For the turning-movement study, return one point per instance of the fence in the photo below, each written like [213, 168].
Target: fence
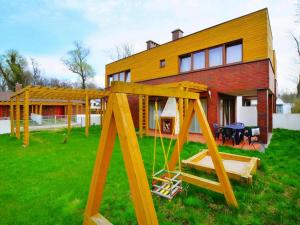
[286, 121]
[38, 122]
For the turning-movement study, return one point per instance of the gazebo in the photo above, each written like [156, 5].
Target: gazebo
[70, 95]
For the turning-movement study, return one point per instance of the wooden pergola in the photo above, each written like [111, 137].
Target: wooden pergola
[24, 96]
[187, 86]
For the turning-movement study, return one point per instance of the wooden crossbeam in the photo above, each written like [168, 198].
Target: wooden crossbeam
[141, 89]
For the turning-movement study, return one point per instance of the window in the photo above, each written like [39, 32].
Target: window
[279, 108]
[128, 78]
[215, 56]
[122, 76]
[110, 79]
[116, 77]
[199, 60]
[162, 63]
[234, 53]
[185, 63]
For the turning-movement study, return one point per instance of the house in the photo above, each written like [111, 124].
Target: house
[234, 58]
[282, 107]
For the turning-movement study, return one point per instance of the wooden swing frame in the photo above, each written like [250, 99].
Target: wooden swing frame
[118, 110]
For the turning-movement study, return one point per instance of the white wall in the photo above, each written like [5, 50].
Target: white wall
[36, 118]
[95, 119]
[245, 114]
[4, 126]
[286, 121]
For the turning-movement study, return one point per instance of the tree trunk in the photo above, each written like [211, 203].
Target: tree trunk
[298, 87]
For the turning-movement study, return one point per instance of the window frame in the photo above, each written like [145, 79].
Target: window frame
[185, 56]
[233, 43]
[162, 63]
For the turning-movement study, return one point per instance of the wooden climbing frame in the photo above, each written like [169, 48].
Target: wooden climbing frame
[118, 110]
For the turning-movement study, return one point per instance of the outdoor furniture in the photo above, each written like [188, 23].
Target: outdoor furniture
[252, 133]
[227, 134]
[216, 130]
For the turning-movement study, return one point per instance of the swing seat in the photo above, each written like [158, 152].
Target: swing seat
[166, 184]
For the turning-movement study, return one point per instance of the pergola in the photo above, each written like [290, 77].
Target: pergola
[187, 86]
[70, 95]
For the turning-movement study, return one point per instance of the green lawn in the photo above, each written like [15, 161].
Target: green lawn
[48, 183]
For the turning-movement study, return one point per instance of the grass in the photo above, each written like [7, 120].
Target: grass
[48, 183]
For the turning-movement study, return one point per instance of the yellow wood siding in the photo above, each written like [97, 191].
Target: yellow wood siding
[253, 29]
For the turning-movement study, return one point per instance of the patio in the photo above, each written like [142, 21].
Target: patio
[199, 138]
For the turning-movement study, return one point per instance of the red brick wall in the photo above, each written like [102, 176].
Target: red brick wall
[263, 114]
[228, 79]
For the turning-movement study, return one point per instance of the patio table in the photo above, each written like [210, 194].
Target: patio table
[237, 128]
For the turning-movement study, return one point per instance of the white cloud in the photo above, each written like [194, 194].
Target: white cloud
[135, 22]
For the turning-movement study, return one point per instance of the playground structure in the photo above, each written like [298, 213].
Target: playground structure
[23, 97]
[240, 168]
[118, 120]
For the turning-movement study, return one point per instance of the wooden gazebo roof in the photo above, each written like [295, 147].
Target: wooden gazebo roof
[38, 92]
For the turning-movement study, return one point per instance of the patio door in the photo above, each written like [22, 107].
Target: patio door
[227, 110]
[195, 128]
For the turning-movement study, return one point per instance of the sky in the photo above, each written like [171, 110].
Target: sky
[46, 30]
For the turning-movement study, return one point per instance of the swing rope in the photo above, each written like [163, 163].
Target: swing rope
[166, 155]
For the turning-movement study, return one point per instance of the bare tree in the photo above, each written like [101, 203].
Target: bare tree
[37, 78]
[77, 63]
[297, 42]
[121, 51]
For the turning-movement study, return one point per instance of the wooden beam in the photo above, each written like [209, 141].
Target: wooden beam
[87, 115]
[147, 114]
[151, 90]
[69, 116]
[18, 123]
[180, 105]
[26, 119]
[202, 182]
[214, 153]
[41, 110]
[12, 120]
[141, 132]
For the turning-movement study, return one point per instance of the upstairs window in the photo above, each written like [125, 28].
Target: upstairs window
[199, 60]
[122, 76]
[234, 53]
[162, 63]
[110, 79]
[116, 77]
[128, 78]
[185, 63]
[216, 56]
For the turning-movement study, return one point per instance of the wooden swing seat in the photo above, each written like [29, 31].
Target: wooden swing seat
[166, 184]
[240, 168]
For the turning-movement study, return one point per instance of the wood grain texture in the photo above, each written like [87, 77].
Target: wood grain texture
[254, 29]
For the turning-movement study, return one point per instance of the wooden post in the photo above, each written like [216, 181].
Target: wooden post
[26, 119]
[214, 153]
[87, 113]
[18, 117]
[69, 116]
[141, 116]
[180, 112]
[12, 120]
[77, 108]
[41, 110]
[147, 114]
[118, 120]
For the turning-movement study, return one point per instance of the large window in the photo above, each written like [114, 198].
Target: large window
[128, 78]
[122, 76]
[215, 56]
[234, 53]
[185, 63]
[199, 60]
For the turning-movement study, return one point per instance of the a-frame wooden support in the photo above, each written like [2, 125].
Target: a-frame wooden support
[118, 110]
[223, 186]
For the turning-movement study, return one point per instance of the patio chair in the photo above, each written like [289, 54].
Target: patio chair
[228, 134]
[252, 134]
[216, 130]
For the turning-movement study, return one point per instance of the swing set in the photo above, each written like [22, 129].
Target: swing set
[166, 182]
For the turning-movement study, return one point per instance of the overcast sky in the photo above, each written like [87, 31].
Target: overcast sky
[46, 30]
